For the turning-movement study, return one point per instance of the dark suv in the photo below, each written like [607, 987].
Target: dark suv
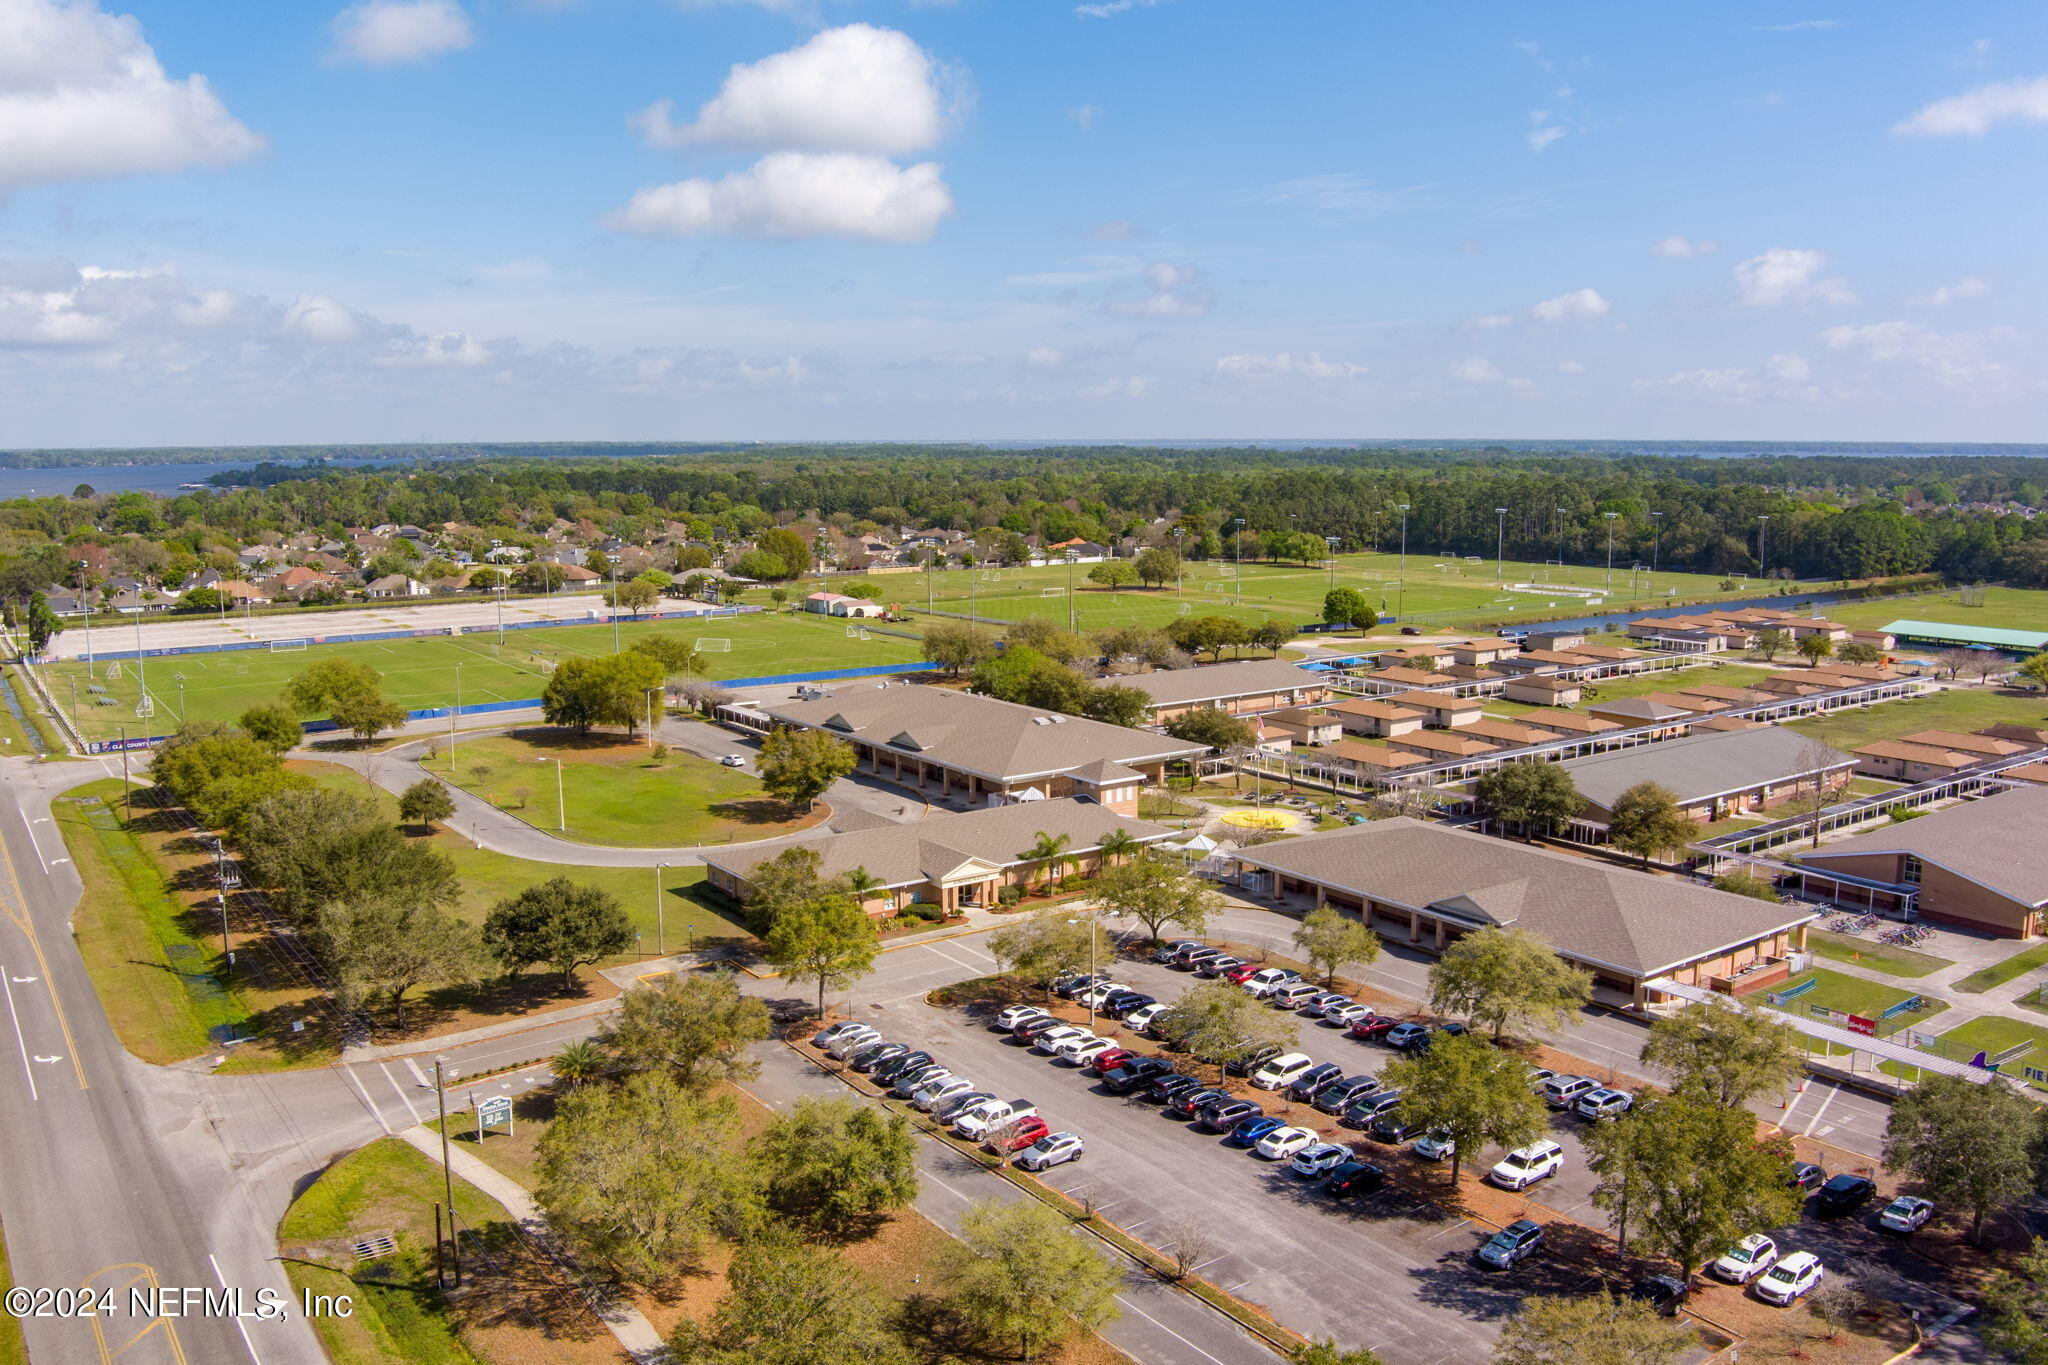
[1338, 1096]
[1253, 1060]
[1845, 1193]
[1137, 1071]
[1310, 1083]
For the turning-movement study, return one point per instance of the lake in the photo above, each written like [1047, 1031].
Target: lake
[145, 478]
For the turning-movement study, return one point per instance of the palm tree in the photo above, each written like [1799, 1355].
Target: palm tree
[861, 884]
[1049, 851]
[580, 1062]
[1117, 845]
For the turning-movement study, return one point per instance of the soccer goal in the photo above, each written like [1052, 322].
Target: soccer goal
[1052, 592]
[145, 708]
[856, 633]
[1969, 595]
[114, 671]
[1474, 559]
[288, 646]
[716, 644]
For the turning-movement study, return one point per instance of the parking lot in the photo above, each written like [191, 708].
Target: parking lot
[1391, 1270]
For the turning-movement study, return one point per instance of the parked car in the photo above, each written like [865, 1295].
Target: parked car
[1017, 1135]
[1054, 1149]
[1171, 952]
[1807, 1177]
[1282, 1143]
[1538, 1075]
[1790, 1278]
[1401, 1037]
[1218, 965]
[1354, 1178]
[1605, 1105]
[950, 1108]
[1907, 1213]
[732, 761]
[1188, 1103]
[1018, 1014]
[930, 1094]
[1345, 1016]
[1171, 1086]
[1194, 958]
[874, 1054]
[832, 1032]
[1220, 1116]
[1846, 1193]
[1562, 1092]
[1253, 1060]
[1097, 995]
[1665, 1294]
[1516, 1242]
[1434, 1145]
[886, 1073]
[1746, 1260]
[1107, 1060]
[1525, 1166]
[1340, 1095]
[1048, 1041]
[1031, 1028]
[1320, 1159]
[1266, 980]
[1141, 1018]
[1081, 1053]
[984, 1119]
[1134, 1072]
[1292, 996]
[1323, 1001]
[1282, 1071]
[1249, 1131]
[1395, 1127]
[1123, 1002]
[852, 1041]
[1074, 987]
[1310, 1083]
[1367, 1111]
[1373, 1026]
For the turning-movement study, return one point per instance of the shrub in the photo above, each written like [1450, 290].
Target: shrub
[1010, 895]
[926, 910]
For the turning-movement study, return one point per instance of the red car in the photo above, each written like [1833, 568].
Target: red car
[1019, 1136]
[1377, 1026]
[1238, 975]
[1102, 1063]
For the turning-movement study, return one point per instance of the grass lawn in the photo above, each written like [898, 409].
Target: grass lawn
[2003, 609]
[1715, 829]
[1881, 957]
[614, 792]
[1854, 995]
[1998, 973]
[12, 1349]
[421, 673]
[1993, 1034]
[1673, 680]
[1963, 709]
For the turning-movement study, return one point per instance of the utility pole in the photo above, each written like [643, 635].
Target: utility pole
[1610, 550]
[660, 929]
[451, 720]
[1500, 543]
[1070, 589]
[1656, 543]
[447, 1171]
[1762, 559]
[1237, 587]
[615, 606]
[1333, 542]
[1560, 537]
[1401, 605]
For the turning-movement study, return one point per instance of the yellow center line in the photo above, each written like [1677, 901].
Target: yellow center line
[35, 944]
[142, 1272]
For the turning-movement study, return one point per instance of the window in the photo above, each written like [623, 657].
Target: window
[1909, 872]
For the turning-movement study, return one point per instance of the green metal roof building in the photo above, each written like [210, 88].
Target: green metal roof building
[1943, 633]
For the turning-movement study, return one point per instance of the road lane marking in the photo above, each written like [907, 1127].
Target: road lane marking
[399, 1091]
[35, 945]
[368, 1103]
[958, 962]
[142, 1272]
[32, 838]
[20, 1039]
[240, 1326]
[1825, 1102]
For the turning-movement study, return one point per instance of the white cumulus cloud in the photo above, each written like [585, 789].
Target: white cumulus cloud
[1678, 248]
[1955, 359]
[1976, 112]
[1579, 304]
[1788, 275]
[1285, 365]
[1128, 386]
[392, 32]
[1969, 287]
[1476, 370]
[1177, 292]
[1044, 357]
[83, 97]
[798, 194]
[1781, 379]
[857, 89]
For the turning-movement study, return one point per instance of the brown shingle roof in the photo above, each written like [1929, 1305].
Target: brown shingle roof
[1219, 682]
[1995, 842]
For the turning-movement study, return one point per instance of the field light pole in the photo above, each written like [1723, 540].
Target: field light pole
[1656, 543]
[561, 802]
[1070, 589]
[142, 667]
[615, 606]
[1237, 586]
[1610, 550]
[1090, 922]
[1401, 604]
[85, 603]
[1560, 537]
[1500, 548]
[660, 932]
[1763, 527]
[1333, 542]
[1179, 532]
[451, 720]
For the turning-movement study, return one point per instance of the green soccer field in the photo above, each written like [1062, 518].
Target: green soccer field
[421, 672]
[1436, 590]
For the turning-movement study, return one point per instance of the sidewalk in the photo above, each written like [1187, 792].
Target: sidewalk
[635, 1333]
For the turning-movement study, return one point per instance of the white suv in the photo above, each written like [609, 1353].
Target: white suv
[1525, 1166]
[1264, 982]
[1282, 1070]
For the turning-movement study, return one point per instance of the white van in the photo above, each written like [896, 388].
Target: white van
[1282, 1070]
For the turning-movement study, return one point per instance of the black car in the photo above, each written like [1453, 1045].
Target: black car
[1071, 990]
[1189, 1103]
[1394, 1127]
[1664, 1293]
[1367, 1111]
[1338, 1096]
[1031, 1028]
[1411, 630]
[1310, 1083]
[1845, 1193]
[1806, 1177]
[1220, 1116]
[1122, 1080]
[874, 1054]
[1354, 1178]
[1171, 1086]
[1123, 1002]
[886, 1072]
[1253, 1060]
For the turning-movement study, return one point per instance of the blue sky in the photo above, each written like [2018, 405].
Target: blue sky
[477, 219]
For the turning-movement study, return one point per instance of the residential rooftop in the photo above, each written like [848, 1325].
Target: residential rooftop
[1702, 766]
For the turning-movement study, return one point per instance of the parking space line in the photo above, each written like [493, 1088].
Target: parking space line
[956, 961]
[1827, 1100]
[1458, 1226]
[1164, 1328]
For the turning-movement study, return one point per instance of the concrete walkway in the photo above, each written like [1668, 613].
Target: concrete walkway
[635, 1333]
